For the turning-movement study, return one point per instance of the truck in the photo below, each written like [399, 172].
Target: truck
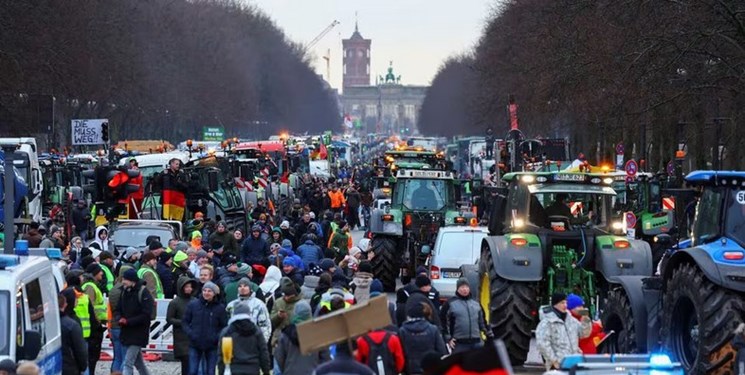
[404, 230]
[26, 161]
[538, 246]
[691, 307]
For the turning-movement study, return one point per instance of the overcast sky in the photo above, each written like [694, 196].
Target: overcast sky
[417, 35]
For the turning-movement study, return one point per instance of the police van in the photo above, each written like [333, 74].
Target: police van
[30, 317]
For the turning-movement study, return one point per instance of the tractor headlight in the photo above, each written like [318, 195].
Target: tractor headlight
[518, 223]
[617, 225]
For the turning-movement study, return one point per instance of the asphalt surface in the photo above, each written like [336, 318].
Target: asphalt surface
[164, 367]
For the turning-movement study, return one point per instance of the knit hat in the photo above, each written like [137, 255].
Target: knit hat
[84, 252]
[201, 254]
[196, 234]
[256, 228]
[288, 261]
[244, 269]
[93, 269]
[327, 264]
[557, 297]
[129, 253]
[314, 270]
[180, 257]
[244, 281]
[53, 229]
[312, 215]
[261, 270]
[8, 366]
[574, 301]
[422, 280]
[462, 281]
[155, 245]
[415, 310]
[217, 245]
[277, 229]
[422, 270]
[131, 275]
[211, 286]
[181, 246]
[376, 288]
[354, 250]
[242, 309]
[365, 266]
[285, 225]
[287, 286]
[287, 243]
[302, 312]
[229, 260]
[105, 255]
[147, 257]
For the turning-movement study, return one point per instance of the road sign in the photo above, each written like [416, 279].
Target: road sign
[631, 167]
[668, 203]
[213, 134]
[89, 131]
[670, 168]
[619, 148]
[630, 220]
[629, 179]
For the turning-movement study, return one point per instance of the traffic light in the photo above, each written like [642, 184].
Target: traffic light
[105, 131]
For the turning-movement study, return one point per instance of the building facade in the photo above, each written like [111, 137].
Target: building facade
[356, 60]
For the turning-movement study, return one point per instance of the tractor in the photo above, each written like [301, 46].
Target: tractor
[404, 230]
[692, 306]
[539, 245]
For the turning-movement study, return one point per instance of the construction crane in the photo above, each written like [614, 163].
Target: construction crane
[322, 34]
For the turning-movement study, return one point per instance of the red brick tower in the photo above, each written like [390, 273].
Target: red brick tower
[356, 68]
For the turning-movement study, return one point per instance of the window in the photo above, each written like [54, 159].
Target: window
[20, 317]
[368, 69]
[36, 308]
[708, 213]
[5, 323]
[360, 53]
[368, 53]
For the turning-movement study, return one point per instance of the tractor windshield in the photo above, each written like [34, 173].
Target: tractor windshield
[424, 194]
[580, 208]
[707, 224]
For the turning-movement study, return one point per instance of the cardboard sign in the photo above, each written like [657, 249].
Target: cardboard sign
[87, 132]
[343, 324]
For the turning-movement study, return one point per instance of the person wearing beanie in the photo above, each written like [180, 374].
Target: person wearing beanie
[291, 270]
[360, 285]
[74, 352]
[108, 265]
[257, 311]
[133, 314]
[419, 290]
[558, 333]
[341, 241]
[179, 269]
[463, 320]
[287, 353]
[418, 336]
[283, 309]
[92, 278]
[156, 248]
[204, 319]
[576, 307]
[255, 250]
[164, 267]
[288, 233]
[225, 237]
[185, 289]
[328, 266]
[250, 354]
[149, 275]
[324, 284]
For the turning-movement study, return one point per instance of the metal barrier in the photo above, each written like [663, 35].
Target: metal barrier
[161, 333]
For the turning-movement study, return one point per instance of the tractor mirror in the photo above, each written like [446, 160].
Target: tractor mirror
[212, 180]
[496, 216]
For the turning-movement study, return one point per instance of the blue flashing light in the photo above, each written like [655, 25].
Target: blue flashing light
[54, 253]
[711, 177]
[660, 359]
[9, 261]
[21, 247]
[571, 361]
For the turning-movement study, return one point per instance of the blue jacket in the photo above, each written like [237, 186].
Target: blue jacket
[310, 253]
[203, 321]
[254, 250]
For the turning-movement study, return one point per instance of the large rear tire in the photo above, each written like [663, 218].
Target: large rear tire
[385, 267]
[617, 316]
[698, 322]
[510, 309]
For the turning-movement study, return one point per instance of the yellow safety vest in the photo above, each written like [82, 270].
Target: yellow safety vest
[99, 305]
[109, 278]
[158, 286]
[81, 310]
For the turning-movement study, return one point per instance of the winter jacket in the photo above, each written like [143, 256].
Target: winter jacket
[341, 241]
[50, 242]
[402, 296]
[463, 319]
[420, 297]
[278, 324]
[296, 276]
[361, 286]
[74, 350]
[343, 364]
[250, 353]
[33, 237]
[175, 314]
[337, 199]
[353, 198]
[288, 356]
[151, 279]
[104, 245]
[589, 344]
[557, 338]
[203, 322]
[166, 280]
[80, 218]
[309, 252]
[259, 314]
[255, 251]
[230, 245]
[419, 337]
[394, 346]
[137, 313]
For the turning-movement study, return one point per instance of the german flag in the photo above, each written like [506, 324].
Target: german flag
[173, 205]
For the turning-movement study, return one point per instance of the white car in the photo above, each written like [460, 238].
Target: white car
[454, 247]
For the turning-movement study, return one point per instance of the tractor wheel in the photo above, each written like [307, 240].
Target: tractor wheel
[385, 266]
[698, 322]
[510, 309]
[617, 316]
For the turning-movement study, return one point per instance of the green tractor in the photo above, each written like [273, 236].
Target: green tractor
[404, 230]
[550, 232]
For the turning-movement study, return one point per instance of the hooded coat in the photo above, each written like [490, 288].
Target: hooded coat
[176, 311]
[557, 338]
[310, 253]
[250, 352]
[288, 356]
[419, 337]
[103, 244]
[137, 313]
[259, 314]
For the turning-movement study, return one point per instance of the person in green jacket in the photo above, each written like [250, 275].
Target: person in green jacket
[341, 241]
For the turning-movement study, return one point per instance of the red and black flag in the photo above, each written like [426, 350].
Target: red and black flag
[491, 359]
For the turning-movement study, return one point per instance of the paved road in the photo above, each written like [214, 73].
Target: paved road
[173, 368]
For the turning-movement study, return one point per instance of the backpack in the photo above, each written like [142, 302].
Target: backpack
[154, 311]
[380, 359]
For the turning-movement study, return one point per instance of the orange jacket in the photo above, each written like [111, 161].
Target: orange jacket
[589, 345]
[337, 199]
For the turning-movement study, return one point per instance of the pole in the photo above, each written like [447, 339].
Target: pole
[717, 156]
[8, 206]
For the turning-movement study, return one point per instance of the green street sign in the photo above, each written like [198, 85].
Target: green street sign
[214, 134]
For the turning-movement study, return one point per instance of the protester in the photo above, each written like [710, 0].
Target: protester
[250, 354]
[287, 353]
[463, 320]
[381, 351]
[283, 309]
[576, 306]
[419, 336]
[203, 320]
[74, 351]
[257, 310]
[361, 283]
[558, 334]
[133, 314]
[175, 314]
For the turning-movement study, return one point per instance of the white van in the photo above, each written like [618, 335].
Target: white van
[30, 323]
[26, 162]
[454, 246]
[152, 164]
